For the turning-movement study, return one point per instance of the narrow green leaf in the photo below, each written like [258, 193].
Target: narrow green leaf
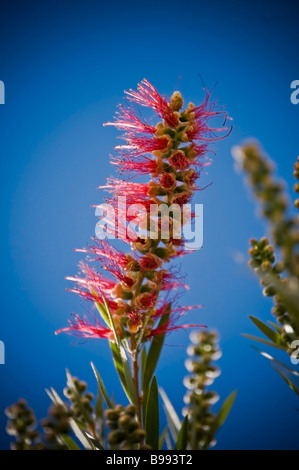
[95, 442]
[155, 350]
[80, 435]
[154, 354]
[50, 395]
[101, 385]
[182, 441]
[168, 441]
[225, 409]
[128, 375]
[55, 397]
[146, 319]
[99, 406]
[280, 364]
[143, 364]
[162, 437]
[111, 321]
[99, 413]
[152, 416]
[288, 381]
[277, 327]
[263, 341]
[130, 389]
[173, 421]
[113, 400]
[68, 441]
[102, 311]
[264, 328]
[119, 365]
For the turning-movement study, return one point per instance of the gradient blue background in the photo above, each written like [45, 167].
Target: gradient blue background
[65, 65]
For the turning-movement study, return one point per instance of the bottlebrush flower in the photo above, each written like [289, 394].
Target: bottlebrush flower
[104, 252]
[127, 120]
[178, 160]
[148, 96]
[84, 328]
[121, 188]
[140, 145]
[142, 166]
[139, 285]
[150, 262]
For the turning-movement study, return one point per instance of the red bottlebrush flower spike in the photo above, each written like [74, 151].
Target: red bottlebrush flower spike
[148, 96]
[138, 287]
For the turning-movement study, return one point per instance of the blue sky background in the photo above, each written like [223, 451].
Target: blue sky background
[65, 65]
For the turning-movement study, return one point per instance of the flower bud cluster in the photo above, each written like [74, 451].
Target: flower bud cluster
[125, 432]
[198, 399]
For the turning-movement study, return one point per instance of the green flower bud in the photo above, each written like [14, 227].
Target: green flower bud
[278, 309]
[145, 447]
[137, 436]
[112, 415]
[266, 265]
[264, 242]
[176, 101]
[124, 421]
[279, 267]
[131, 410]
[89, 396]
[252, 263]
[116, 437]
[82, 386]
[269, 291]
[133, 426]
[63, 426]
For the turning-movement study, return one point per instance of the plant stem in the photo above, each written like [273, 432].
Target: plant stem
[136, 377]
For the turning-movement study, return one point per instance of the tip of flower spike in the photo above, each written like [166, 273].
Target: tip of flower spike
[162, 141]
[238, 153]
[176, 101]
